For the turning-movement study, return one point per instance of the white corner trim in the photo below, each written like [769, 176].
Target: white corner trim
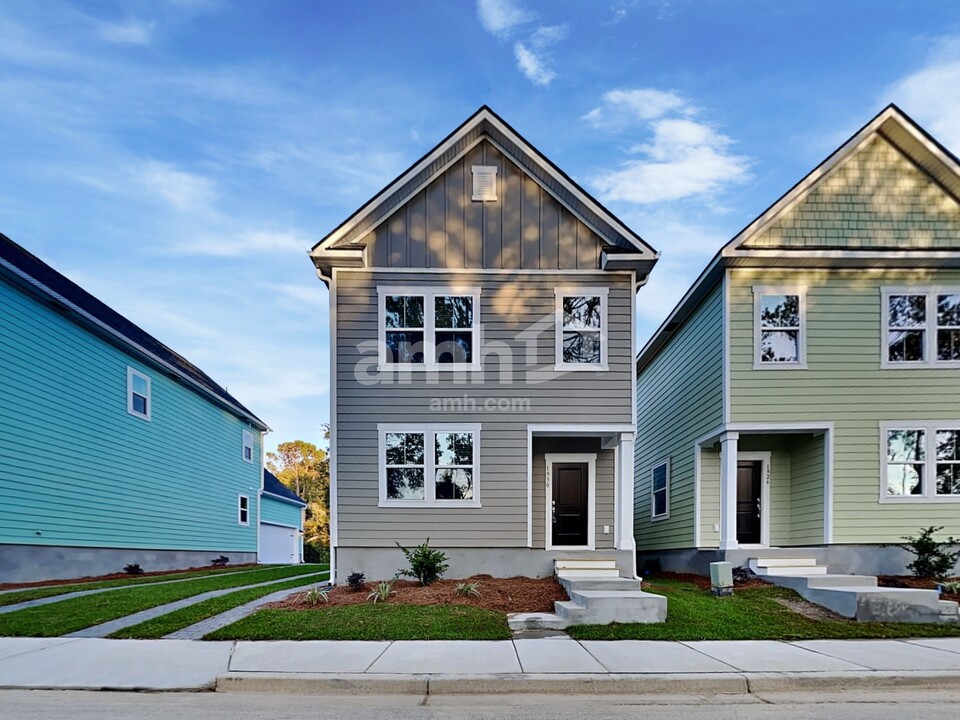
[697, 465]
[529, 487]
[760, 291]
[727, 298]
[590, 459]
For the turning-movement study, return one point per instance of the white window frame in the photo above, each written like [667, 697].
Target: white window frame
[666, 514]
[429, 431]
[131, 374]
[759, 291]
[930, 428]
[930, 328]
[246, 440]
[429, 327]
[590, 291]
[240, 510]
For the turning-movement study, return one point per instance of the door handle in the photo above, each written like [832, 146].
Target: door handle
[553, 506]
[759, 508]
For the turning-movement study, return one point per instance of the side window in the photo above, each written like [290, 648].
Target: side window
[921, 327]
[660, 490]
[243, 510]
[780, 328]
[429, 330]
[429, 466]
[581, 328]
[920, 461]
[138, 394]
[247, 439]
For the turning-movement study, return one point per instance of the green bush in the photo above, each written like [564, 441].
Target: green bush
[426, 565]
[934, 559]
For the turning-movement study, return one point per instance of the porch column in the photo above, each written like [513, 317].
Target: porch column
[624, 520]
[728, 490]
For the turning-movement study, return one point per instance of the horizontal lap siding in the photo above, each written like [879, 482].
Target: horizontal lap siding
[509, 305]
[679, 398]
[280, 513]
[845, 384]
[806, 489]
[77, 470]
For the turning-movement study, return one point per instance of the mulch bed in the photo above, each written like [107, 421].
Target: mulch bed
[908, 581]
[509, 595]
[703, 583]
[114, 576]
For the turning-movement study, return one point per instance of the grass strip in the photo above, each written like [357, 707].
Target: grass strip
[370, 622]
[12, 598]
[185, 617]
[754, 614]
[68, 616]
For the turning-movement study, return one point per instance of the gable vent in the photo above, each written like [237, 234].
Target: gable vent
[485, 183]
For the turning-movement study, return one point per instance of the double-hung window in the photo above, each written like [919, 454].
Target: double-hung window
[243, 510]
[429, 330]
[920, 461]
[660, 490]
[581, 329]
[247, 445]
[139, 402]
[921, 327]
[780, 328]
[423, 465]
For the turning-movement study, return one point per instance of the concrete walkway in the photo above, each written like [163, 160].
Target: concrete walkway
[108, 628]
[551, 665]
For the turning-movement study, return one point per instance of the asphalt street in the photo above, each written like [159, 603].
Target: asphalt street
[55, 705]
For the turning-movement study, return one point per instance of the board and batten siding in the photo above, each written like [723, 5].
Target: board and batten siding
[78, 470]
[279, 512]
[508, 308]
[442, 227]
[679, 399]
[844, 384]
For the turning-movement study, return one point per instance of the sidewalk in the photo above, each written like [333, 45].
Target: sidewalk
[541, 665]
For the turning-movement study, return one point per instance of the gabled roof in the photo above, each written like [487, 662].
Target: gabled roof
[75, 302]
[892, 125]
[343, 244]
[273, 486]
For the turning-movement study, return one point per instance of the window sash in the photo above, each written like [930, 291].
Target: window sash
[928, 465]
[243, 510]
[246, 441]
[431, 465]
[933, 343]
[139, 394]
[768, 335]
[660, 490]
[433, 352]
[566, 329]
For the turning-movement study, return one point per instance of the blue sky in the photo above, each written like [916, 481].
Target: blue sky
[177, 158]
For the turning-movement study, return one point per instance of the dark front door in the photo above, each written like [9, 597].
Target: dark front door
[570, 504]
[749, 509]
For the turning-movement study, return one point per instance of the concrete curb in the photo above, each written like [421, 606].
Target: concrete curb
[576, 684]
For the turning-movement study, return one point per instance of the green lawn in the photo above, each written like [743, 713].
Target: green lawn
[694, 614]
[12, 598]
[68, 616]
[370, 622]
[166, 624]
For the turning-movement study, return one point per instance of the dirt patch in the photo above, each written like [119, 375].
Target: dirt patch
[510, 595]
[908, 581]
[114, 576]
[703, 583]
[811, 611]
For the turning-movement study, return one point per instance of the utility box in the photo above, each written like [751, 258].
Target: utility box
[721, 578]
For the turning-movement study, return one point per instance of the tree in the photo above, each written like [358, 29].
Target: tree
[305, 469]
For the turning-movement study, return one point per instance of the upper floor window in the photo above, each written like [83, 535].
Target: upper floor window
[247, 441]
[429, 465]
[921, 327]
[921, 461]
[660, 491]
[780, 328]
[138, 394]
[429, 330]
[581, 329]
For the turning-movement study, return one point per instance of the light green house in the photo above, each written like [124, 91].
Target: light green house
[803, 399]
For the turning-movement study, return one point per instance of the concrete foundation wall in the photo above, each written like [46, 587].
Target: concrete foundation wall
[383, 563]
[33, 563]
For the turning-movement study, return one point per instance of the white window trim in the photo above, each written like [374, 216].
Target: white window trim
[930, 427]
[930, 328]
[758, 292]
[589, 291]
[429, 430]
[590, 459]
[131, 374]
[429, 327]
[666, 514]
[240, 520]
[246, 441]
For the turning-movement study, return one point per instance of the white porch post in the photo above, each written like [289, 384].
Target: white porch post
[728, 490]
[624, 522]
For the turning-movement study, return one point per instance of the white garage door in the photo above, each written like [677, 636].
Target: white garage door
[277, 544]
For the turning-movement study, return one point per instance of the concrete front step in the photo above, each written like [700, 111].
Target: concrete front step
[802, 582]
[599, 607]
[520, 622]
[588, 573]
[797, 570]
[772, 562]
[949, 612]
[598, 583]
[876, 604]
[584, 564]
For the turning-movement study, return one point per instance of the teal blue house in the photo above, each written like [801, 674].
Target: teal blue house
[114, 449]
[281, 522]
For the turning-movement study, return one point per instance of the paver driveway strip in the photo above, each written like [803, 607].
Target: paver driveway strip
[885, 654]
[652, 656]
[770, 656]
[452, 657]
[316, 656]
[555, 655]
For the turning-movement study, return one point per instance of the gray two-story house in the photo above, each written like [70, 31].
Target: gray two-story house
[482, 355]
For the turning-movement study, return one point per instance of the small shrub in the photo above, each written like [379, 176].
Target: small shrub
[221, 561]
[933, 558]
[742, 574]
[382, 592]
[950, 587]
[356, 581]
[316, 595]
[133, 569]
[426, 565]
[468, 589]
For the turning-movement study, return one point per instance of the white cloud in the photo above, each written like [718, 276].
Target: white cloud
[533, 56]
[244, 243]
[129, 33]
[183, 190]
[684, 158]
[932, 94]
[501, 17]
